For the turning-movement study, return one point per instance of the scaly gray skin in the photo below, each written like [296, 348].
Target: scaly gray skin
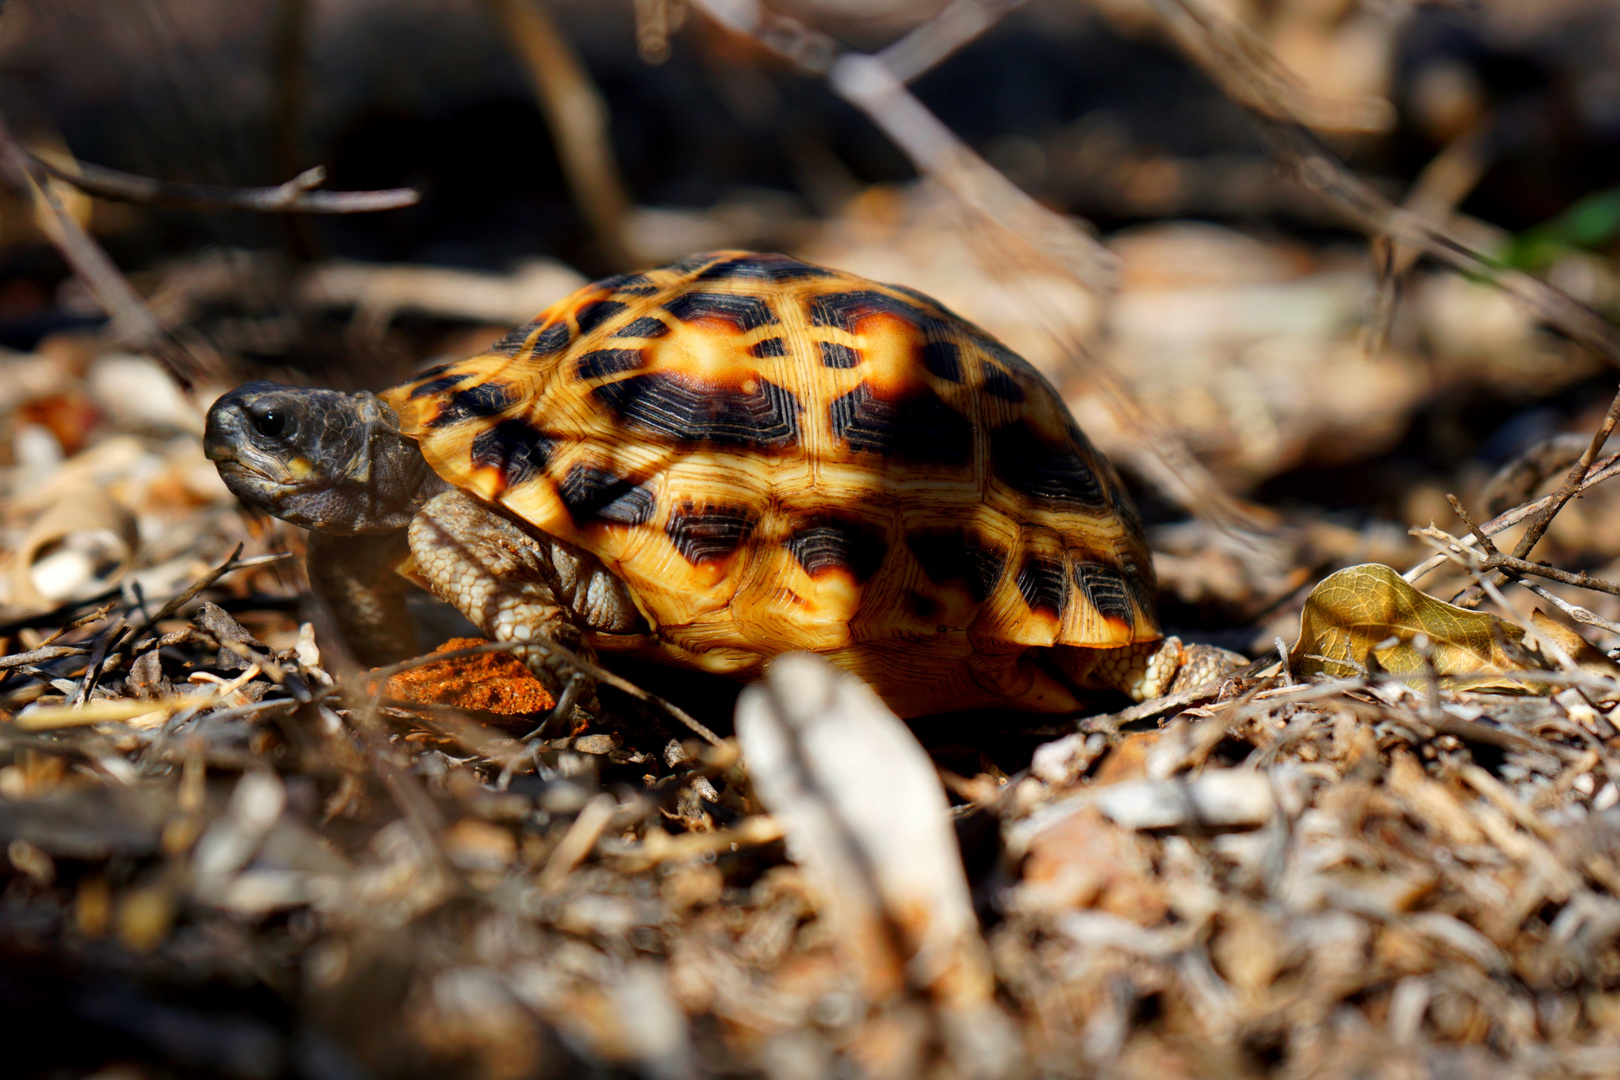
[321, 459]
[337, 465]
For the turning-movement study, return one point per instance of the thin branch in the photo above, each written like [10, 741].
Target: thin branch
[1603, 470]
[1222, 48]
[132, 322]
[938, 38]
[578, 118]
[296, 196]
[1494, 559]
[1572, 486]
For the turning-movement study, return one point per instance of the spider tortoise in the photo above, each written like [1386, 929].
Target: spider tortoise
[718, 461]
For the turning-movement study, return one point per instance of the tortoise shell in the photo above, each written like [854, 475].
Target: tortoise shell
[776, 456]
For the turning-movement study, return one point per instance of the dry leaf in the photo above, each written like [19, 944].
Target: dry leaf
[1369, 610]
[1588, 657]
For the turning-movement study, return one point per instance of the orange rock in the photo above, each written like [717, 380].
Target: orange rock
[495, 682]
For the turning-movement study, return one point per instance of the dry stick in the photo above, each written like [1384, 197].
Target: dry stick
[935, 40]
[296, 196]
[83, 620]
[132, 321]
[40, 655]
[1606, 469]
[111, 644]
[1571, 487]
[1233, 66]
[577, 117]
[1256, 79]
[1574, 611]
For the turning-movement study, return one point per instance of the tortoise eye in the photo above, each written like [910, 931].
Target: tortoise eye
[271, 422]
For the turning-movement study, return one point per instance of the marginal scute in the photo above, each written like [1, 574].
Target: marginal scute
[439, 385]
[477, 401]
[515, 448]
[594, 495]
[1042, 585]
[674, 407]
[948, 555]
[1106, 588]
[1047, 474]
[703, 533]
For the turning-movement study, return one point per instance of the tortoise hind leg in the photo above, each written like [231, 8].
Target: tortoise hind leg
[354, 576]
[1146, 669]
[494, 573]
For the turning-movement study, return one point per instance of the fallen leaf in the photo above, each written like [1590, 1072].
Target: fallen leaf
[1370, 611]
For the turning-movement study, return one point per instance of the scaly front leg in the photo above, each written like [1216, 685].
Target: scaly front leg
[491, 571]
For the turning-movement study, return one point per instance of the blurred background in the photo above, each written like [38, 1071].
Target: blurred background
[1070, 174]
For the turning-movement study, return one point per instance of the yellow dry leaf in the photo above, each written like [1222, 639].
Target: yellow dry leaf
[1370, 610]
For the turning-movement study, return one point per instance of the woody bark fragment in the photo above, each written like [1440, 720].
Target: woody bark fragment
[867, 819]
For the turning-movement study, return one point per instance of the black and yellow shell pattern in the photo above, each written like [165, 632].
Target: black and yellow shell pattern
[778, 456]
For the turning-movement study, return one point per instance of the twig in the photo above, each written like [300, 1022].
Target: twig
[296, 196]
[1216, 43]
[577, 117]
[40, 655]
[109, 649]
[1572, 485]
[1542, 519]
[1606, 469]
[1254, 77]
[132, 322]
[938, 38]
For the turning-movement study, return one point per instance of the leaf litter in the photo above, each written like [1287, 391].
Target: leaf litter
[1399, 852]
[1392, 851]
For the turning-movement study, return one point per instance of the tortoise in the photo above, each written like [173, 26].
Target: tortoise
[718, 461]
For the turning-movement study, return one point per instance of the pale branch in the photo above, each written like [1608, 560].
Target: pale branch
[1603, 470]
[296, 196]
[1243, 68]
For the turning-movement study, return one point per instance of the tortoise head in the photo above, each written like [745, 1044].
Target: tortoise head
[325, 460]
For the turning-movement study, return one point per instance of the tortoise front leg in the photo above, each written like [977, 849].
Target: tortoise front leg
[491, 571]
[355, 576]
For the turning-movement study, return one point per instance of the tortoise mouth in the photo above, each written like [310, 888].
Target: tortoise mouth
[273, 479]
